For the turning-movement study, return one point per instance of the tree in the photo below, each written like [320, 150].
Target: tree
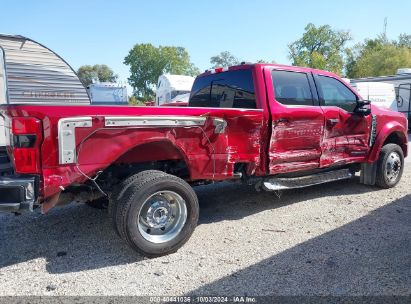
[266, 61]
[404, 40]
[148, 62]
[134, 101]
[100, 72]
[224, 59]
[376, 57]
[320, 47]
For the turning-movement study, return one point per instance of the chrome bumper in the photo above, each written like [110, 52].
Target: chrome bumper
[17, 194]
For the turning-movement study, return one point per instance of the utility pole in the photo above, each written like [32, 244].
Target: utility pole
[384, 32]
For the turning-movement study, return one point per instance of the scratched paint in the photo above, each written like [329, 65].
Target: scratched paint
[208, 155]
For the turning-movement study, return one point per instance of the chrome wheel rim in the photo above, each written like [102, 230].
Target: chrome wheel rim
[162, 217]
[393, 167]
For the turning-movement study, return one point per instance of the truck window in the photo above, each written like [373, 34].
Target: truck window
[335, 93]
[292, 88]
[231, 89]
[3, 85]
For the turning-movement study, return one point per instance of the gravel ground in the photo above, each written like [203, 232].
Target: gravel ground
[341, 238]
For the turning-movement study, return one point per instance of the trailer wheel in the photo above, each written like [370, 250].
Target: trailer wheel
[157, 214]
[119, 191]
[390, 166]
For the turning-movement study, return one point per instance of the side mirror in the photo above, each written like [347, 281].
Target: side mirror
[363, 107]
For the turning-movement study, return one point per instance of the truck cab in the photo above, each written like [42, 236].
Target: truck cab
[315, 120]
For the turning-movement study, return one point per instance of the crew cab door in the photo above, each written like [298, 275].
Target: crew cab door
[297, 121]
[346, 133]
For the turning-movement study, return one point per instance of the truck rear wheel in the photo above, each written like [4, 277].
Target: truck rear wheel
[390, 166]
[121, 188]
[157, 213]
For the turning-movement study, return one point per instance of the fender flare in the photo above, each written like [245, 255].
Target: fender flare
[382, 135]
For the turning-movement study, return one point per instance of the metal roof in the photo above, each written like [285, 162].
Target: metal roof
[398, 77]
[36, 74]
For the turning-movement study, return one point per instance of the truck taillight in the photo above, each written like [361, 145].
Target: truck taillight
[25, 140]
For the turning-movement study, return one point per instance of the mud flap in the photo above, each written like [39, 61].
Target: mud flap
[368, 173]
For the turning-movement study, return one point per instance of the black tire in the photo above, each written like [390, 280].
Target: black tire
[119, 191]
[389, 153]
[134, 200]
[100, 203]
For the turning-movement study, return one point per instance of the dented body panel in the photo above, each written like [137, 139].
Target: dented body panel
[209, 155]
[78, 142]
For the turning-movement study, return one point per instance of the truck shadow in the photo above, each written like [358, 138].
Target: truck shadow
[71, 238]
[76, 237]
[368, 256]
[232, 201]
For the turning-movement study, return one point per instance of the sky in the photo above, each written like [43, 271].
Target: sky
[103, 32]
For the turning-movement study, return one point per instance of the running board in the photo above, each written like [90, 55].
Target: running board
[273, 183]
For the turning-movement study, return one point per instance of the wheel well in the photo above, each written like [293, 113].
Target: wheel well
[397, 138]
[160, 155]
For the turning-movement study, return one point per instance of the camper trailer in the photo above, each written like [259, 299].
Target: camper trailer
[31, 73]
[379, 93]
[170, 86]
[402, 85]
[108, 93]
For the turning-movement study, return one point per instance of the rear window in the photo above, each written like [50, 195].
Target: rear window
[232, 89]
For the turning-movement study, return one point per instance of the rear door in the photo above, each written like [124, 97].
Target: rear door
[346, 134]
[297, 121]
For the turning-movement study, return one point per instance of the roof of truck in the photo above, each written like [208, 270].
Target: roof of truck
[247, 65]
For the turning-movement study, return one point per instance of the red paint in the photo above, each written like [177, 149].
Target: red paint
[271, 139]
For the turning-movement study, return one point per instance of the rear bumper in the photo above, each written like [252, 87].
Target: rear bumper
[17, 194]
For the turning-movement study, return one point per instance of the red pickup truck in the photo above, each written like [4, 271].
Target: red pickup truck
[279, 127]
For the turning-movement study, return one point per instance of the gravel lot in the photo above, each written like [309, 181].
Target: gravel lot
[341, 238]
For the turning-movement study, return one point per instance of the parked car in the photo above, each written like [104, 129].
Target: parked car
[279, 127]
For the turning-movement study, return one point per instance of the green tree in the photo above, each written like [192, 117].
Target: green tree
[320, 47]
[404, 40]
[224, 59]
[134, 101]
[148, 62]
[266, 61]
[100, 72]
[377, 57]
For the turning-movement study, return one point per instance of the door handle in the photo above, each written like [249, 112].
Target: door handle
[281, 121]
[331, 122]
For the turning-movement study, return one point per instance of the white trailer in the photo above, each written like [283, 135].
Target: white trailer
[169, 86]
[402, 86]
[379, 93]
[31, 73]
[108, 93]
